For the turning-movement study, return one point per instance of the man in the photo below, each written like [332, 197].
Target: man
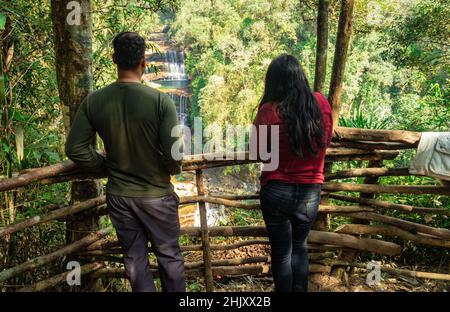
[135, 124]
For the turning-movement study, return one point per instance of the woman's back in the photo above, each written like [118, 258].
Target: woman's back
[293, 168]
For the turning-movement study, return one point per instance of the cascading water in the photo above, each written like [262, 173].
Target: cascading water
[174, 66]
[181, 104]
[175, 76]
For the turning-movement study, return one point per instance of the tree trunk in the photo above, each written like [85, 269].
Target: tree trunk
[72, 26]
[340, 56]
[73, 49]
[322, 45]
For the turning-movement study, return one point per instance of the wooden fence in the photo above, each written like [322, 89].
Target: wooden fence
[348, 144]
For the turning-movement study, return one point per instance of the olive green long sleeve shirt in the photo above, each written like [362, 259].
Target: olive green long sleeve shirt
[135, 123]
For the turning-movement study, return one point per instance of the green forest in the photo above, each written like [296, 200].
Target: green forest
[396, 77]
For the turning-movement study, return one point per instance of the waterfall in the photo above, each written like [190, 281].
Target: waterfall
[174, 66]
[174, 80]
[181, 105]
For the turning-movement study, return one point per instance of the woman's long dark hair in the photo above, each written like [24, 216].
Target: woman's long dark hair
[287, 86]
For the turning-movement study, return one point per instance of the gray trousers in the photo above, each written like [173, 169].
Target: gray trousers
[138, 220]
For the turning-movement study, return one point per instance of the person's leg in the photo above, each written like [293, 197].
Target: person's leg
[299, 259]
[133, 239]
[160, 218]
[279, 233]
[307, 204]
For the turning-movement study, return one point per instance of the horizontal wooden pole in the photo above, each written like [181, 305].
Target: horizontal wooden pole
[389, 230]
[388, 189]
[111, 247]
[231, 262]
[370, 145]
[357, 134]
[76, 177]
[315, 237]
[403, 224]
[248, 242]
[235, 197]
[68, 170]
[35, 175]
[191, 163]
[217, 271]
[60, 278]
[64, 251]
[368, 172]
[401, 272]
[54, 215]
[387, 205]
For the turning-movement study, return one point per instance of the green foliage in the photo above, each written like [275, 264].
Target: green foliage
[231, 43]
[2, 21]
[420, 38]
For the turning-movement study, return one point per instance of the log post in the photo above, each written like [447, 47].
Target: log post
[204, 232]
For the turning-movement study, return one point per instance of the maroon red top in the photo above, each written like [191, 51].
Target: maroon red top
[293, 168]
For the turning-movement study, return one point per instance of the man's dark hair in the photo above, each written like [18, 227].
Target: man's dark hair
[129, 48]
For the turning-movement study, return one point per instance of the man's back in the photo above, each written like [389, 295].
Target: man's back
[135, 124]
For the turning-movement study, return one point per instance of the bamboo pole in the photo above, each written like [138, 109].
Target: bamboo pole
[389, 230]
[387, 205]
[42, 260]
[204, 232]
[54, 215]
[389, 189]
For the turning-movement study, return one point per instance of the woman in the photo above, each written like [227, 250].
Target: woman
[290, 194]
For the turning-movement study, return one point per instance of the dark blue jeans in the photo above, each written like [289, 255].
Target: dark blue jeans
[289, 210]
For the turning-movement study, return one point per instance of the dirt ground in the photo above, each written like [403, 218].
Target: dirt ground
[355, 282]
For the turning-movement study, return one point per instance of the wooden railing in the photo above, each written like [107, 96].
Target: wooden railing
[348, 144]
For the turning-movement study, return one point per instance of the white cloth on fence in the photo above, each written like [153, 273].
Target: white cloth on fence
[433, 156]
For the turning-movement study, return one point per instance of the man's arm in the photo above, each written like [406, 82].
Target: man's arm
[169, 120]
[79, 145]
